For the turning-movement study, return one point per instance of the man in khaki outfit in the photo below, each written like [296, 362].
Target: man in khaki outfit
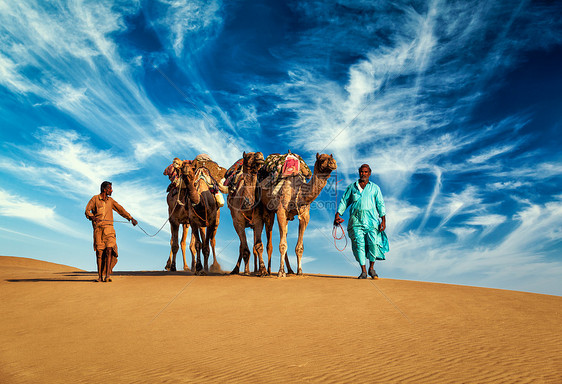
[100, 211]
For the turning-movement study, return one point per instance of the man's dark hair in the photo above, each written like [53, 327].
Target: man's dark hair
[365, 166]
[104, 185]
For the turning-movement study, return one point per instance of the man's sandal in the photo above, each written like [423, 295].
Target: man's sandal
[373, 274]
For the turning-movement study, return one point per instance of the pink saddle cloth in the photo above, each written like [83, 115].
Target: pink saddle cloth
[291, 167]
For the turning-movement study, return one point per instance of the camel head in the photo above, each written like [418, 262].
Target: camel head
[253, 161]
[188, 174]
[325, 164]
[188, 171]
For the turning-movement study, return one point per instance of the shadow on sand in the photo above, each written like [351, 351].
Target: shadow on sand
[86, 276]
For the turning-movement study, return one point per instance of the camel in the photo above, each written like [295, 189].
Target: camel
[179, 215]
[243, 202]
[293, 199]
[203, 213]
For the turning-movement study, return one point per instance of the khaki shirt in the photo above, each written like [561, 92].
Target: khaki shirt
[102, 210]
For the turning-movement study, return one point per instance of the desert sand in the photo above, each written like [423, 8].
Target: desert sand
[58, 326]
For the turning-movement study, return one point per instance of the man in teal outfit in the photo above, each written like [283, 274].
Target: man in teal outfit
[367, 221]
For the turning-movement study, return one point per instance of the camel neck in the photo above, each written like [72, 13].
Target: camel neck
[314, 187]
[248, 189]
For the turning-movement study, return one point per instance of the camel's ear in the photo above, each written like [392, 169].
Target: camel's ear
[317, 155]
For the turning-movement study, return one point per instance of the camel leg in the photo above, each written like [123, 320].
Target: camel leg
[215, 266]
[304, 218]
[235, 220]
[243, 251]
[289, 269]
[197, 233]
[258, 245]
[169, 262]
[255, 257]
[193, 250]
[174, 228]
[283, 226]
[269, 217]
[205, 247]
[185, 227]
[236, 269]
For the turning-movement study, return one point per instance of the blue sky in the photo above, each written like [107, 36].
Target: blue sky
[455, 104]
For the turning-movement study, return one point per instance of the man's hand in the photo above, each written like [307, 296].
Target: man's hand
[338, 219]
[134, 222]
[382, 225]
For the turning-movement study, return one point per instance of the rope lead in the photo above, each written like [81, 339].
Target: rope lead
[335, 236]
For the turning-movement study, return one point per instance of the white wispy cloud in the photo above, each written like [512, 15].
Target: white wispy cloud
[518, 261]
[187, 22]
[467, 201]
[19, 207]
[145, 202]
[503, 185]
[400, 215]
[65, 160]
[487, 222]
[490, 153]
[79, 70]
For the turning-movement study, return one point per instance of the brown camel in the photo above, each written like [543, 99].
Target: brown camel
[203, 213]
[179, 215]
[293, 199]
[244, 204]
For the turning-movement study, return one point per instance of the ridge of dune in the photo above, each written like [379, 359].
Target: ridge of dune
[29, 263]
[176, 327]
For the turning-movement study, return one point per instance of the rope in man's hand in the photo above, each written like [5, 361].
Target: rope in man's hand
[136, 224]
[337, 221]
[336, 237]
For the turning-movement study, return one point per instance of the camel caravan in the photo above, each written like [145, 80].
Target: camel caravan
[258, 190]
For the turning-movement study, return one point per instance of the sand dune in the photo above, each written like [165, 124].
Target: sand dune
[158, 327]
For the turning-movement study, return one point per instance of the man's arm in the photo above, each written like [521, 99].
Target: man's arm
[89, 210]
[381, 209]
[342, 206]
[120, 210]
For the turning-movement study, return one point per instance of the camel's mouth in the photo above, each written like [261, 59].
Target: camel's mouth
[255, 167]
[329, 166]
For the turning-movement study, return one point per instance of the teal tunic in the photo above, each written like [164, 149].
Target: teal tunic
[366, 208]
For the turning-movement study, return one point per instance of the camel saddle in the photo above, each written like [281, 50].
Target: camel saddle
[279, 166]
[204, 161]
[232, 177]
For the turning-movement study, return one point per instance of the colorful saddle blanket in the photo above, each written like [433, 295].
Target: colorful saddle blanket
[233, 173]
[289, 164]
